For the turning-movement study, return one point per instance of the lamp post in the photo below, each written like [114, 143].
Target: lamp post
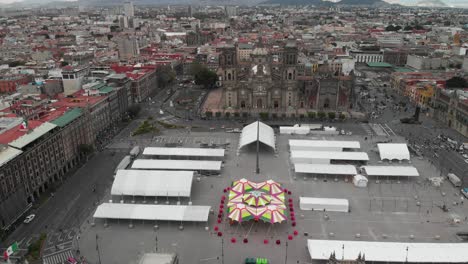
[97, 249]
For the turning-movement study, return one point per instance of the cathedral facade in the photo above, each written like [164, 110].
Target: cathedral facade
[273, 81]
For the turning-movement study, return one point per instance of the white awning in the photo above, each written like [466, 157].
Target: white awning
[297, 155]
[389, 251]
[189, 213]
[152, 183]
[392, 151]
[266, 135]
[297, 144]
[325, 169]
[185, 152]
[8, 154]
[157, 164]
[391, 171]
[324, 204]
[294, 130]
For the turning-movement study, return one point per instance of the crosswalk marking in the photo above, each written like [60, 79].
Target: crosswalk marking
[367, 129]
[58, 258]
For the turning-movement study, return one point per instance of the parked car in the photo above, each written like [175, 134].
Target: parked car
[464, 191]
[29, 218]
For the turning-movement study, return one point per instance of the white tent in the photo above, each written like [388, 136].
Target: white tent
[324, 157]
[325, 169]
[324, 204]
[323, 145]
[294, 130]
[159, 164]
[266, 135]
[193, 213]
[394, 171]
[393, 151]
[389, 252]
[184, 152]
[152, 183]
[360, 181]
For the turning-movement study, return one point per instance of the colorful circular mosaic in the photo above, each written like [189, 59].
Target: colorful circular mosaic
[259, 201]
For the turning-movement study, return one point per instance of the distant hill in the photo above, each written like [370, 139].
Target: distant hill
[431, 3]
[328, 3]
[363, 2]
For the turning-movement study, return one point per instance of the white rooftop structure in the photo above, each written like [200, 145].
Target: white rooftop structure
[326, 145]
[8, 154]
[266, 135]
[158, 258]
[152, 183]
[391, 171]
[392, 151]
[159, 164]
[304, 156]
[189, 213]
[324, 204]
[36, 133]
[325, 169]
[190, 152]
[389, 251]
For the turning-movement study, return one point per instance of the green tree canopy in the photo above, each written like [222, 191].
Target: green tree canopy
[457, 82]
[203, 75]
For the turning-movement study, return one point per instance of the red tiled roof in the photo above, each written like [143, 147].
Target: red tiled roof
[15, 132]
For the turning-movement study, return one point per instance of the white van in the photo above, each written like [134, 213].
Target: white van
[454, 179]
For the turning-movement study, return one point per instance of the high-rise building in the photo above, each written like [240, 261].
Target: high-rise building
[230, 11]
[128, 47]
[129, 10]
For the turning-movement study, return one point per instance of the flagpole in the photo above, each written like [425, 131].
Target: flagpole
[257, 170]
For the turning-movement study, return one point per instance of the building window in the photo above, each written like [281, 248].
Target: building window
[242, 104]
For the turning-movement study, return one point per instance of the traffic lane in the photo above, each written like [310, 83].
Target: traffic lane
[52, 215]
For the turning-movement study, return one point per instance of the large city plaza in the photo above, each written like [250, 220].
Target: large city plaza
[226, 211]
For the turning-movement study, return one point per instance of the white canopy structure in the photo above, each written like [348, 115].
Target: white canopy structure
[324, 157]
[187, 213]
[323, 145]
[266, 135]
[152, 183]
[389, 251]
[123, 164]
[325, 169]
[394, 171]
[294, 130]
[184, 152]
[360, 181]
[324, 204]
[393, 151]
[195, 165]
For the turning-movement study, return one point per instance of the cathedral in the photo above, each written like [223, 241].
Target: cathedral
[273, 81]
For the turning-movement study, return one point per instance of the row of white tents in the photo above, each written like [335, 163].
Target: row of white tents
[167, 177]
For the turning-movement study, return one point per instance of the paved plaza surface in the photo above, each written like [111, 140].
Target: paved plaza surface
[387, 210]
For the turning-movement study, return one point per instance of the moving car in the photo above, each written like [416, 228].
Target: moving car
[29, 218]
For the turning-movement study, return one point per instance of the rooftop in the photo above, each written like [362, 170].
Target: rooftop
[67, 117]
[36, 133]
[379, 64]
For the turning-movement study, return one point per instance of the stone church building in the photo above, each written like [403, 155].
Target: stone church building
[273, 81]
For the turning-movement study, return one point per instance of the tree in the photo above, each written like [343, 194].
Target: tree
[342, 116]
[392, 28]
[165, 75]
[203, 76]
[311, 115]
[134, 110]
[331, 115]
[457, 82]
[85, 149]
[263, 115]
[321, 115]
[64, 63]
[15, 63]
